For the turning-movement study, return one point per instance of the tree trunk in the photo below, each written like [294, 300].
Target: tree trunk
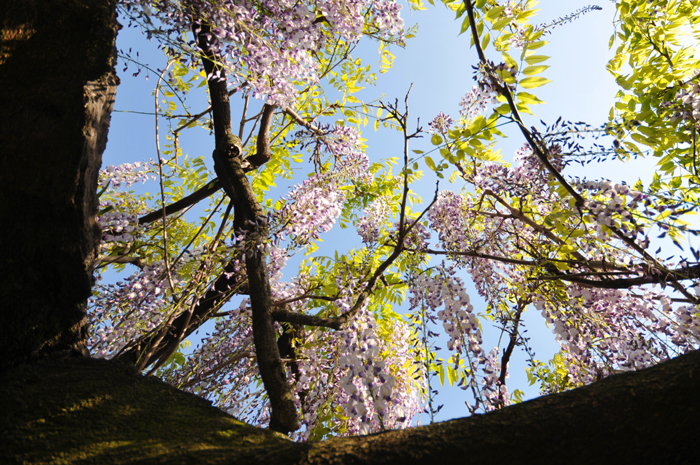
[97, 411]
[57, 87]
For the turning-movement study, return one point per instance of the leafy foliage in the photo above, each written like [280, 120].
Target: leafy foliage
[357, 331]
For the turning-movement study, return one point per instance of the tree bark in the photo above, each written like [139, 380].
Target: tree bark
[57, 87]
[96, 411]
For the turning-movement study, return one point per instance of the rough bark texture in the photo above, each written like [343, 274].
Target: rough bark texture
[57, 87]
[93, 411]
[249, 217]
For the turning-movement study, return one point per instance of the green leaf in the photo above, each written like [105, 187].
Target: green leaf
[431, 164]
[502, 110]
[533, 59]
[441, 373]
[485, 41]
[451, 375]
[531, 70]
[494, 13]
[528, 98]
[436, 139]
[501, 23]
[510, 61]
[534, 82]
[536, 45]
[465, 25]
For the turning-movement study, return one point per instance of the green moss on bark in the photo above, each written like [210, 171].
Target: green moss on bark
[69, 411]
[79, 411]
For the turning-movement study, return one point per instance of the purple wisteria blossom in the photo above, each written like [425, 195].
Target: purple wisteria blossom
[441, 124]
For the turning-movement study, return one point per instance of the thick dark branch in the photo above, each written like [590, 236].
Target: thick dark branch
[200, 194]
[250, 218]
[508, 352]
[230, 282]
[216, 76]
[264, 152]
[284, 315]
[287, 345]
[185, 202]
[680, 274]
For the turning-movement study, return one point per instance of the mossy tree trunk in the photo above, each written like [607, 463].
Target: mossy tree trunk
[57, 87]
[94, 411]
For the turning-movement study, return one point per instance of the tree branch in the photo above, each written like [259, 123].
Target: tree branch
[185, 202]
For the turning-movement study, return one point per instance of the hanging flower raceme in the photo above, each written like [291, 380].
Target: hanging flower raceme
[368, 226]
[268, 44]
[449, 216]
[120, 313]
[313, 207]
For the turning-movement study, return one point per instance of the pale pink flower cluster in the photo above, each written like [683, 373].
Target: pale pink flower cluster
[495, 394]
[457, 315]
[224, 370]
[118, 312]
[343, 141]
[127, 174]
[477, 101]
[117, 224]
[312, 207]
[519, 37]
[601, 330]
[441, 124]
[269, 44]
[368, 226]
[449, 216]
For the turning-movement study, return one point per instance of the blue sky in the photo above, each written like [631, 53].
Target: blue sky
[438, 64]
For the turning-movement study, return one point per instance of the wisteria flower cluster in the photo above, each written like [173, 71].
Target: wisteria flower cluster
[686, 104]
[612, 202]
[118, 218]
[312, 207]
[269, 44]
[127, 174]
[441, 298]
[449, 216]
[495, 394]
[485, 91]
[457, 316]
[615, 330]
[368, 226]
[519, 37]
[441, 124]
[477, 101]
[134, 306]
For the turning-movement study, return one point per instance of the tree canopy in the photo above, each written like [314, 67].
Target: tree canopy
[347, 345]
